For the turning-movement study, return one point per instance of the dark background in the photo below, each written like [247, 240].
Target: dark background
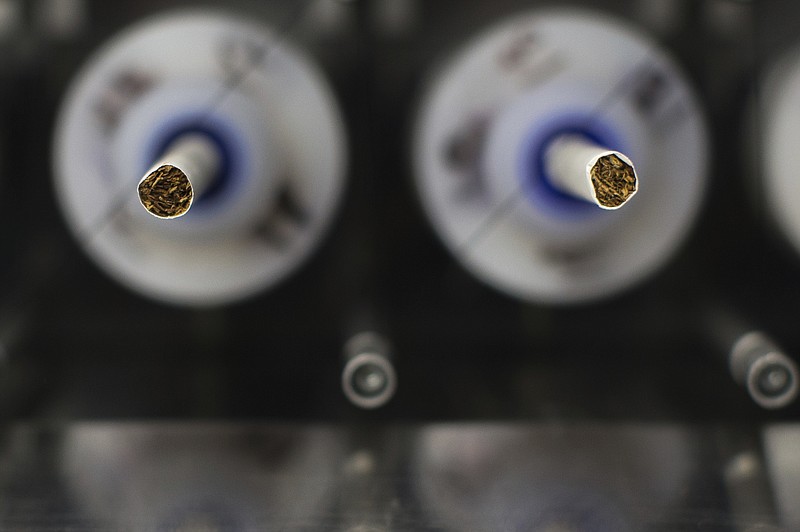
[78, 345]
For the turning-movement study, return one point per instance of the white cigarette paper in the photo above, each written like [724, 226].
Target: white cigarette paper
[590, 172]
[184, 171]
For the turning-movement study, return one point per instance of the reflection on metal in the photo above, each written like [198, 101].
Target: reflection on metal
[477, 477]
[212, 477]
[551, 478]
[782, 449]
[747, 488]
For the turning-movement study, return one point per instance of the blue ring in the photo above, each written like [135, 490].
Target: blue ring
[230, 173]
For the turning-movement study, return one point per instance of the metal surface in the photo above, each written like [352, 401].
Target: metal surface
[492, 477]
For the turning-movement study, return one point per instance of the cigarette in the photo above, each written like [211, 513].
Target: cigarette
[183, 172]
[590, 172]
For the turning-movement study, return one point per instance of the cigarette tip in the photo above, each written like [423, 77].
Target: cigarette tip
[166, 192]
[614, 180]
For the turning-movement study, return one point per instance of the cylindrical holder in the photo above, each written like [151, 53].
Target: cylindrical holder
[523, 147]
[553, 476]
[770, 376]
[153, 477]
[755, 361]
[259, 158]
[368, 379]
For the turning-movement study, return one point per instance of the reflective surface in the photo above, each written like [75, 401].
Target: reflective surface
[547, 477]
